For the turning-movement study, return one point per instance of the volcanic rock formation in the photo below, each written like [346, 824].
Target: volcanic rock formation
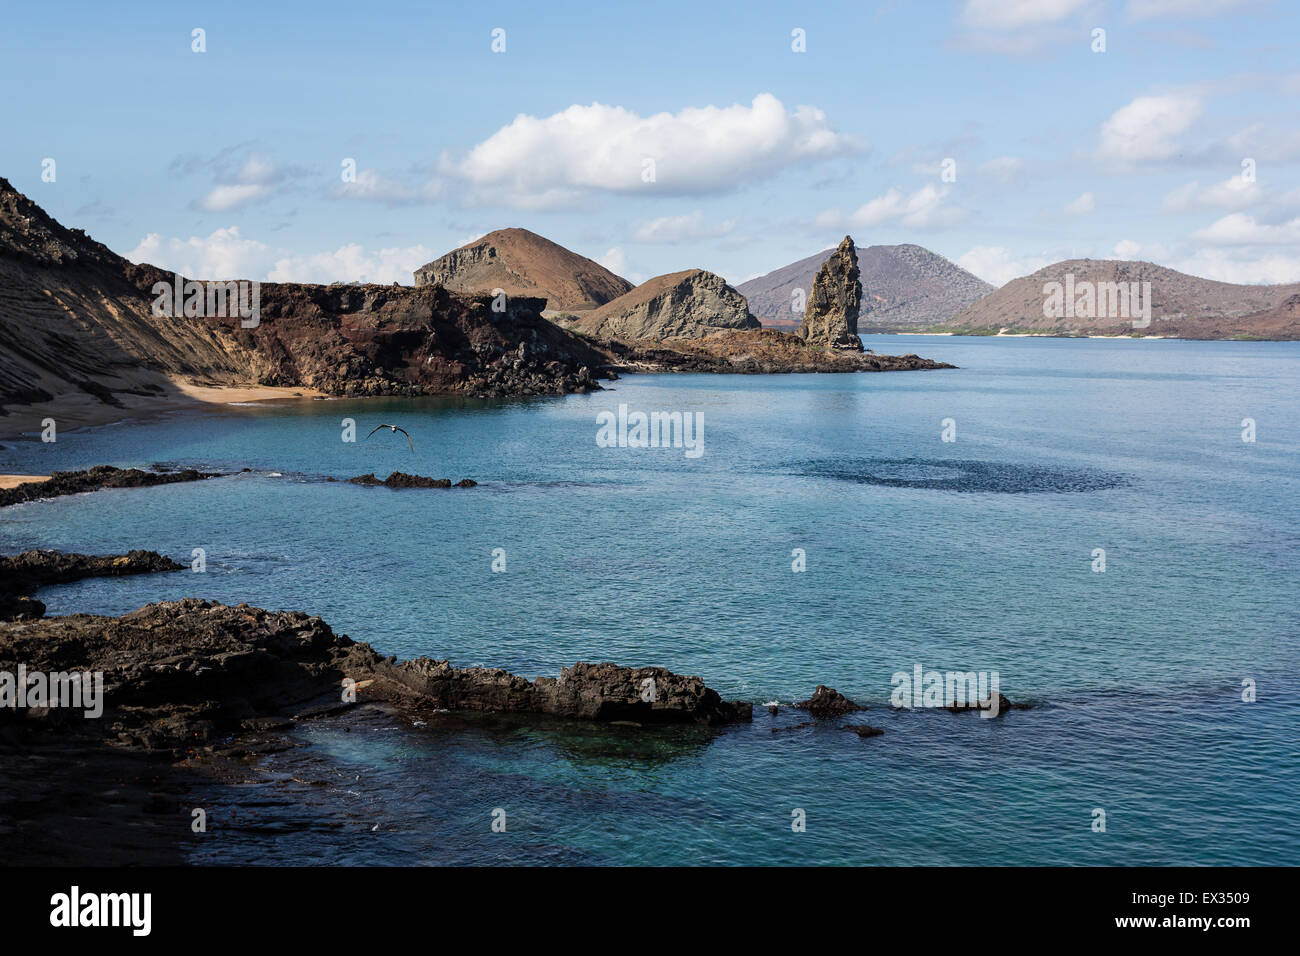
[831, 317]
[687, 304]
[522, 263]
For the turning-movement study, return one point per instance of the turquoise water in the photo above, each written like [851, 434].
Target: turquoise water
[975, 554]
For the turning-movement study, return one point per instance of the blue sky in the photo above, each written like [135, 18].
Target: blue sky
[229, 163]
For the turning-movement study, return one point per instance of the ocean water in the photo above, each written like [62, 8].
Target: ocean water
[973, 554]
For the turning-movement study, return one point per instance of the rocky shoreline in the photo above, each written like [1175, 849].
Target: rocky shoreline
[93, 479]
[195, 690]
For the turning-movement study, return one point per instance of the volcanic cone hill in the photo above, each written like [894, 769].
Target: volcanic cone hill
[1181, 305]
[522, 263]
[904, 286]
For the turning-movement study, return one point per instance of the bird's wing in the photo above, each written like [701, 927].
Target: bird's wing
[408, 438]
[375, 429]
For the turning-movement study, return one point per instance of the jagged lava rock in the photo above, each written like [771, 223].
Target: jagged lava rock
[828, 702]
[687, 304]
[831, 315]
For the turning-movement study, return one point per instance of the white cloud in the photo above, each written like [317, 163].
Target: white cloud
[1247, 267]
[1127, 249]
[1147, 128]
[1081, 206]
[353, 263]
[679, 228]
[1014, 14]
[923, 209]
[1002, 168]
[615, 260]
[555, 160]
[997, 265]
[1233, 193]
[374, 186]
[1148, 9]
[1239, 229]
[225, 198]
[225, 254]
[256, 178]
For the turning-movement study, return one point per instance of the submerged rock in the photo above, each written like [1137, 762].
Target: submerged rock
[830, 318]
[828, 702]
[865, 730]
[1004, 705]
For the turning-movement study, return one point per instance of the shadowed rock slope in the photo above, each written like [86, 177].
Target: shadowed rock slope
[75, 317]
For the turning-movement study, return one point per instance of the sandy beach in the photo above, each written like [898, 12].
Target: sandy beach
[79, 410]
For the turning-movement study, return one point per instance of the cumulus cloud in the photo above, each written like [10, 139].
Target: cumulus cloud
[1249, 267]
[923, 209]
[1015, 14]
[1002, 168]
[1233, 193]
[1239, 229]
[615, 260]
[1147, 129]
[540, 162]
[371, 185]
[1149, 9]
[255, 178]
[997, 265]
[681, 228]
[1127, 249]
[226, 254]
[1081, 206]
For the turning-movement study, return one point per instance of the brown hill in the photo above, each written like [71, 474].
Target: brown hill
[73, 319]
[523, 263]
[76, 320]
[1181, 305]
[904, 286]
[685, 304]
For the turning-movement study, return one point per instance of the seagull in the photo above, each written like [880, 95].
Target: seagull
[395, 429]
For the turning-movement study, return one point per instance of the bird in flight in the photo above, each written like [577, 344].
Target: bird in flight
[395, 429]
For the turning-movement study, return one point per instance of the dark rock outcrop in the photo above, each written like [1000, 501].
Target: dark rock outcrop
[601, 692]
[400, 479]
[77, 318]
[828, 702]
[188, 673]
[101, 476]
[687, 304]
[903, 287]
[26, 572]
[831, 316]
[754, 352]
